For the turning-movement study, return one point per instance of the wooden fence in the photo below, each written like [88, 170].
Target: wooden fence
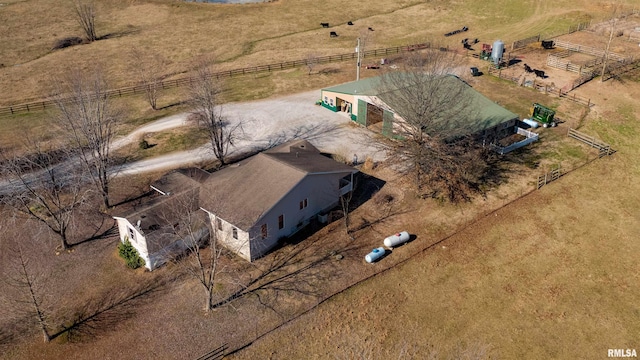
[215, 354]
[553, 175]
[587, 50]
[547, 89]
[168, 84]
[519, 44]
[604, 149]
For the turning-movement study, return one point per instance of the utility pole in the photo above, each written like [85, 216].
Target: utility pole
[358, 63]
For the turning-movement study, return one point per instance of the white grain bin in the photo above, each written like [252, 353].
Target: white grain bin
[374, 255]
[497, 51]
[396, 239]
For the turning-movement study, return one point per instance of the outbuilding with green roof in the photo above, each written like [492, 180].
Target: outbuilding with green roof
[370, 104]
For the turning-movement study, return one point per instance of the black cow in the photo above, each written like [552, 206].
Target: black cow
[527, 68]
[475, 41]
[333, 34]
[539, 73]
[464, 28]
[370, 29]
[325, 25]
[350, 23]
[465, 41]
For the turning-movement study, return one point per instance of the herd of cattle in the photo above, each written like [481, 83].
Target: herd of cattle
[466, 43]
[335, 34]
[539, 73]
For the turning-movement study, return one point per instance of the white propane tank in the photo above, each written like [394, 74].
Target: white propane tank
[397, 239]
[374, 255]
[534, 124]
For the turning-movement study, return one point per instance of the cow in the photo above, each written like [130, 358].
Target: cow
[465, 41]
[350, 23]
[325, 25]
[539, 73]
[527, 68]
[370, 28]
[333, 34]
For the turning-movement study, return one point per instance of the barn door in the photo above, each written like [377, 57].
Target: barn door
[362, 112]
[387, 123]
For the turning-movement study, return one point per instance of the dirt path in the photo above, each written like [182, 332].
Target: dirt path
[265, 123]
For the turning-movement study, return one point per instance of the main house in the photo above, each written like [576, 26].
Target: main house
[250, 205]
[371, 103]
[272, 195]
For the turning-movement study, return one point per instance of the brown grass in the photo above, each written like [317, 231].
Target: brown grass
[548, 276]
[239, 36]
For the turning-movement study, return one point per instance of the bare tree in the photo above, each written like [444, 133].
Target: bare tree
[187, 225]
[148, 68]
[29, 301]
[204, 96]
[44, 189]
[311, 61]
[89, 119]
[86, 17]
[434, 107]
[612, 29]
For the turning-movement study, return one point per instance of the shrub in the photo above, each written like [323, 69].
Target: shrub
[130, 254]
[144, 144]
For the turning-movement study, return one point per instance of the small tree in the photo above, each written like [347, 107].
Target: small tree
[204, 97]
[188, 224]
[44, 188]
[311, 61]
[89, 120]
[86, 17]
[130, 254]
[148, 68]
[27, 277]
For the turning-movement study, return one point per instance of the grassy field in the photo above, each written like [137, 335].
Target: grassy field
[551, 275]
[246, 35]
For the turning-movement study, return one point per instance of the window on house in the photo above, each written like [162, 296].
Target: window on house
[219, 223]
[132, 235]
[235, 233]
[264, 231]
[281, 222]
[303, 204]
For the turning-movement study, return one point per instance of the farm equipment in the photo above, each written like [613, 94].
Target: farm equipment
[543, 115]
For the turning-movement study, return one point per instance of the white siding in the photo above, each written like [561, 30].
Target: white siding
[137, 240]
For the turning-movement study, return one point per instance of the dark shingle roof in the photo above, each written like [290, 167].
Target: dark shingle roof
[241, 193]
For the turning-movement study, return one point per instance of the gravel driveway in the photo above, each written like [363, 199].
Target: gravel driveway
[266, 123]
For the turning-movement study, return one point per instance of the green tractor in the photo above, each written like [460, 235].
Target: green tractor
[543, 115]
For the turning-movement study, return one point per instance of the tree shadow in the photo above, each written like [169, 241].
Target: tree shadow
[105, 312]
[172, 105]
[118, 34]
